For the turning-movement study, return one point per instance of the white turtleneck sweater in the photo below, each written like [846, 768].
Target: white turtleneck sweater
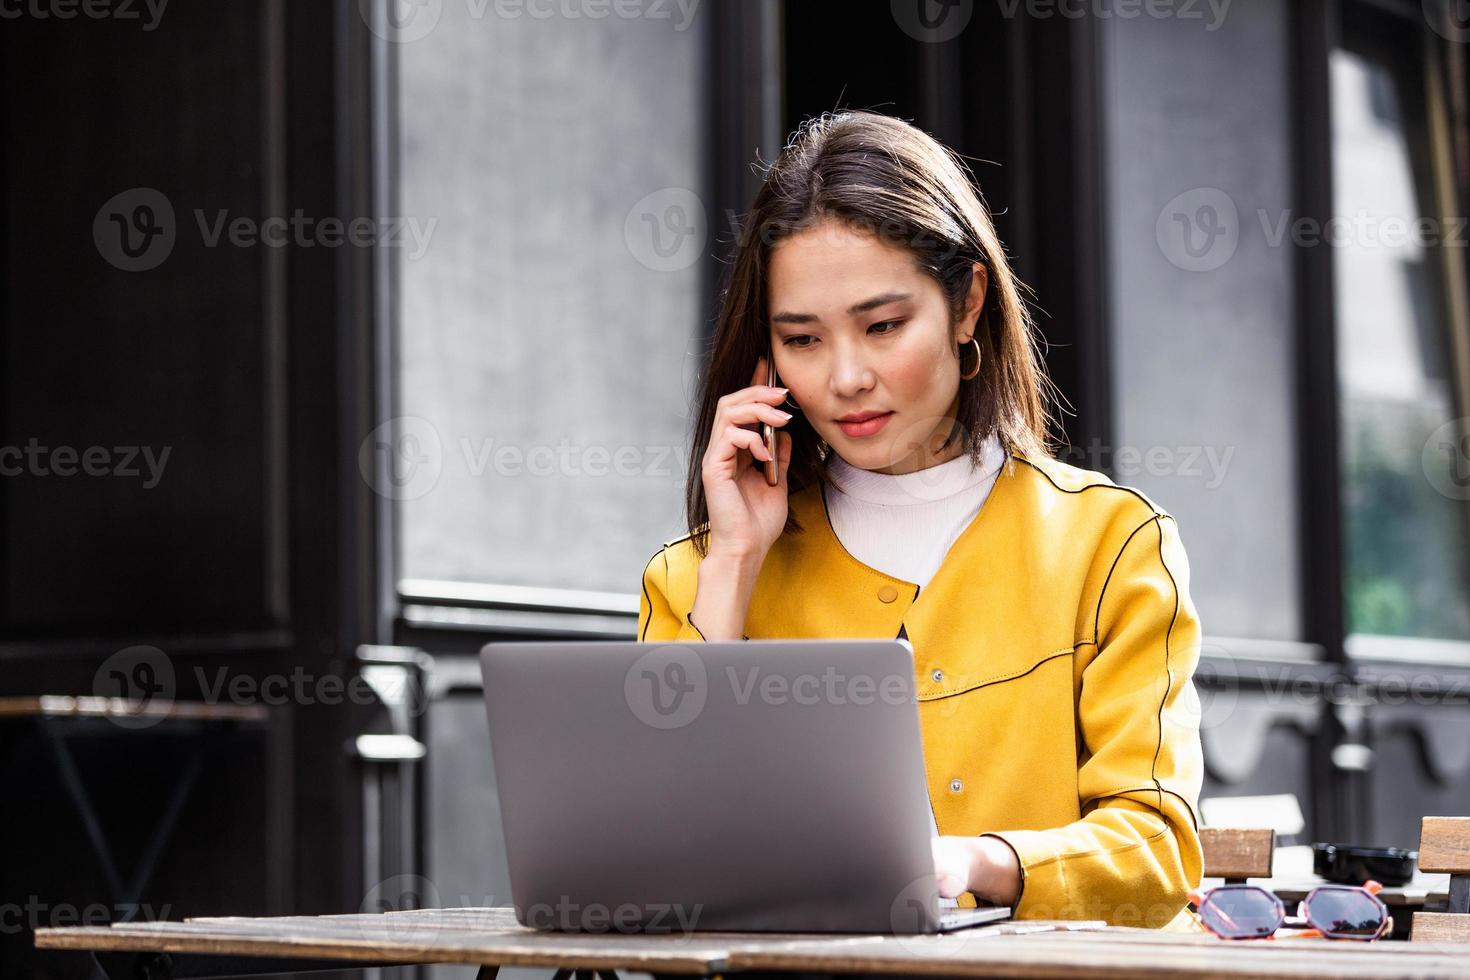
[904, 525]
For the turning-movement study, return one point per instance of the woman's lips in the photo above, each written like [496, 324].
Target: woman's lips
[866, 427]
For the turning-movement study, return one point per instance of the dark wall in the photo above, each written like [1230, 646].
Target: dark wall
[217, 388]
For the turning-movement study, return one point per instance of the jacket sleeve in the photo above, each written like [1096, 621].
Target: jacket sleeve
[658, 622]
[1135, 853]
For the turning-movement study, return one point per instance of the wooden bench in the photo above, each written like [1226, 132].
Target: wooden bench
[1444, 848]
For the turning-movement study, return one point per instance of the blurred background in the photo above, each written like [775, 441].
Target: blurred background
[338, 337]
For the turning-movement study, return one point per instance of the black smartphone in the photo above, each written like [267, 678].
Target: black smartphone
[768, 431]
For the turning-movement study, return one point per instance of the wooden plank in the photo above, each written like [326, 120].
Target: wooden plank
[1440, 927]
[1237, 852]
[1444, 845]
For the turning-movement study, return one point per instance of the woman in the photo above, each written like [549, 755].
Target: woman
[1048, 609]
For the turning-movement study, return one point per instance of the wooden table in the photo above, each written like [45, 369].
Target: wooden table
[491, 938]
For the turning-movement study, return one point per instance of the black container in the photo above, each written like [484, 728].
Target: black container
[1349, 864]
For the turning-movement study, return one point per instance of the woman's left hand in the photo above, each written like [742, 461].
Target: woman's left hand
[985, 866]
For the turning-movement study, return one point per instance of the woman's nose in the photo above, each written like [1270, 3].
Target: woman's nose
[850, 373]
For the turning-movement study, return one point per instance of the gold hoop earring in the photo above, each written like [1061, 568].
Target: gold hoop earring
[970, 375]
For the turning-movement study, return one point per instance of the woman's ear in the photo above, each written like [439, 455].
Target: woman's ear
[974, 303]
[979, 285]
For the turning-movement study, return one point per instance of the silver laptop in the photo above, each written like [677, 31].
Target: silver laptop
[763, 785]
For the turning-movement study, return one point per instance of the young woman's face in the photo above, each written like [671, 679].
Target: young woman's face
[858, 328]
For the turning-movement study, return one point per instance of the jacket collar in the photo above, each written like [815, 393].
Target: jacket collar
[811, 586]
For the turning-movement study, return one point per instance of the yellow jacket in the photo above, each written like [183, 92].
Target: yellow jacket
[1054, 650]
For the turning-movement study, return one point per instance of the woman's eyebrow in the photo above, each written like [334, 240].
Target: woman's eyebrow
[868, 304]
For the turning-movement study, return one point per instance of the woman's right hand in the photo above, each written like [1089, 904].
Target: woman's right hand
[746, 515]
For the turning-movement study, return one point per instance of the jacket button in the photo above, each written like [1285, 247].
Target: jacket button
[955, 785]
[938, 675]
[887, 593]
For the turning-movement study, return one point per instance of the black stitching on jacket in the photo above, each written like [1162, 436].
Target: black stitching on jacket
[662, 551]
[1091, 486]
[1097, 615]
[1168, 677]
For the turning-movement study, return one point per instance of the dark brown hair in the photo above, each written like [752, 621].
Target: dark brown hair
[881, 175]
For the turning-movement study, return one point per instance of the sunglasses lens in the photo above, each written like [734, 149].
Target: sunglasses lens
[1241, 912]
[1346, 913]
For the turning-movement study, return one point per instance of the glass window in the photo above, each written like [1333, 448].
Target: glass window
[1404, 485]
[550, 317]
